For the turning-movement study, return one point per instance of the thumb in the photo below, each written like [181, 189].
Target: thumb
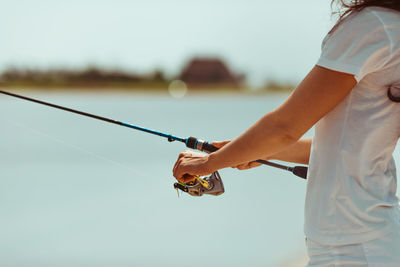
[219, 144]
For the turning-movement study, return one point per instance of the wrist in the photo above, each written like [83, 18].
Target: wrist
[213, 162]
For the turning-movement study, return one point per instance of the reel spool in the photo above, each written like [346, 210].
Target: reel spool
[211, 185]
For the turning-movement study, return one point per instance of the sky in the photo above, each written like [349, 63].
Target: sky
[264, 40]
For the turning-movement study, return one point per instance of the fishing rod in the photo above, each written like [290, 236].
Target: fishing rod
[190, 142]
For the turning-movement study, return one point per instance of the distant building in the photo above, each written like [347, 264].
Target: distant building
[209, 71]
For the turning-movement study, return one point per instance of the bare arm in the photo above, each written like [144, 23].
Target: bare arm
[320, 92]
[299, 152]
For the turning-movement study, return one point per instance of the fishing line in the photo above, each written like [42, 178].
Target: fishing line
[190, 142]
[75, 147]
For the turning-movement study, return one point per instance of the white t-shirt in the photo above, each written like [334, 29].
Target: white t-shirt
[351, 188]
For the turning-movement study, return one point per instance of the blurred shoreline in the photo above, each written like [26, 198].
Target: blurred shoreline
[146, 91]
[205, 75]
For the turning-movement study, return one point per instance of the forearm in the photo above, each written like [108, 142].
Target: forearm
[267, 137]
[298, 152]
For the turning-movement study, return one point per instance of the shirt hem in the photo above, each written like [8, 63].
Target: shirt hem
[339, 66]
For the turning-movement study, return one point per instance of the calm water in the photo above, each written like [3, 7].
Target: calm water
[79, 192]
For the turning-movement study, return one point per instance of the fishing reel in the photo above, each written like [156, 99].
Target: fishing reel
[211, 185]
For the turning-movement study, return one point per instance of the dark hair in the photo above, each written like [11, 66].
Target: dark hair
[346, 7]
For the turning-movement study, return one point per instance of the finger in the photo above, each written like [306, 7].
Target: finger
[181, 155]
[239, 166]
[247, 166]
[182, 176]
[184, 154]
[243, 167]
[187, 178]
[181, 173]
[176, 167]
[219, 144]
[254, 164]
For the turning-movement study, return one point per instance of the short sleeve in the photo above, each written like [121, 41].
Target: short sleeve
[359, 46]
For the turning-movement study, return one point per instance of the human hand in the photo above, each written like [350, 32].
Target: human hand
[190, 164]
[244, 166]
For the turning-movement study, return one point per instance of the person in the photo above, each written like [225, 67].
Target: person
[352, 215]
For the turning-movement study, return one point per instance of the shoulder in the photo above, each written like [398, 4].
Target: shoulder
[375, 14]
[363, 42]
[370, 18]
[366, 26]
[386, 16]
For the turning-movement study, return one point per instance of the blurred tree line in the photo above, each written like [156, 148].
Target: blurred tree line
[198, 74]
[88, 77]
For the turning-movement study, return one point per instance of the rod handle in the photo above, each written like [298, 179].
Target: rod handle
[209, 148]
[300, 171]
[194, 143]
